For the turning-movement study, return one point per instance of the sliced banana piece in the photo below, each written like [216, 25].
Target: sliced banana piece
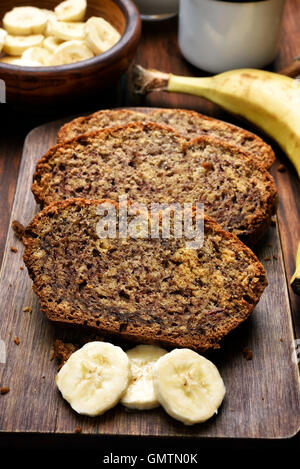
[16, 45]
[24, 21]
[3, 35]
[70, 52]
[66, 31]
[71, 10]
[7, 59]
[51, 43]
[49, 13]
[36, 57]
[100, 35]
[188, 386]
[94, 378]
[140, 392]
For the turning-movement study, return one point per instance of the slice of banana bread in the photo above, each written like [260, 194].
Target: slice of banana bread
[151, 163]
[151, 290]
[96, 121]
[189, 124]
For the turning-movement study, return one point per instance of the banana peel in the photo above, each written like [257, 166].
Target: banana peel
[268, 100]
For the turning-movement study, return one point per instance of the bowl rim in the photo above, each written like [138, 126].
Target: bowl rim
[132, 30]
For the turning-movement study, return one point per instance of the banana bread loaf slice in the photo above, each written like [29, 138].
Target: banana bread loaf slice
[151, 290]
[189, 124]
[151, 163]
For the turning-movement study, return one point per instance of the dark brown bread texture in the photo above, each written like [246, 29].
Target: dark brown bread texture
[142, 289]
[189, 124]
[151, 163]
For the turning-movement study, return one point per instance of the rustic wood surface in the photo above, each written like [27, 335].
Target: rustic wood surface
[270, 322]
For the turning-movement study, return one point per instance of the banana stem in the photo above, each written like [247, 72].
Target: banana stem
[295, 280]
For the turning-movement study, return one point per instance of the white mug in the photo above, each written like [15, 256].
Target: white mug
[219, 35]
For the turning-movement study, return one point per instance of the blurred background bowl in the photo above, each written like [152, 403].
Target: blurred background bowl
[51, 86]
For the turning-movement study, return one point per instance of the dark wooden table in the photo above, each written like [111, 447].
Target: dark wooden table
[158, 49]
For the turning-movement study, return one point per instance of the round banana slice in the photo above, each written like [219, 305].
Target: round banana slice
[94, 378]
[71, 10]
[140, 392]
[7, 59]
[66, 31]
[36, 57]
[3, 35]
[100, 35]
[16, 45]
[188, 386]
[24, 21]
[70, 52]
[51, 43]
[50, 14]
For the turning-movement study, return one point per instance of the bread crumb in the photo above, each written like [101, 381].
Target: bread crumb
[275, 257]
[273, 222]
[21, 267]
[281, 168]
[13, 249]
[262, 398]
[4, 390]
[268, 258]
[62, 351]
[248, 354]
[78, 429]
[281, 339]
[18, 229]
[51, 354]
[17, 340]
[27, 309]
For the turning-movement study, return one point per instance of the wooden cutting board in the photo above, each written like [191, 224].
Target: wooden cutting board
[262, 400]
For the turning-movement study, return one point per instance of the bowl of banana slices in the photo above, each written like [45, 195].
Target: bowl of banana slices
[54, 52]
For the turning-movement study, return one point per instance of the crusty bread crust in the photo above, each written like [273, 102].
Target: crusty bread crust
[191, 326]
[249, 170]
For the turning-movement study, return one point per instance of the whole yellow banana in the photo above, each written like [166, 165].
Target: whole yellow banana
[269, 100]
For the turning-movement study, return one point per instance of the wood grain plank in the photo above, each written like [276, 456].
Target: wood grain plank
[262, 398]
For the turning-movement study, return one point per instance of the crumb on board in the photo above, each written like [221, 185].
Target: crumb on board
[18, 229]
[13, 249]
[62, 351]
[27, 309]
[78, 429]
[4, 390]
[17, 340]
[273, 222]
[262, 398]
[281, 339]
[275, 257]
[268, 258]
[281, 168]
[21, 267]
[248, 354]
[51, 353]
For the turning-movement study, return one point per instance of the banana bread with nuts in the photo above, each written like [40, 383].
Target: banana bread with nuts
[151, 290]
[189, 124]
[151, 163]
